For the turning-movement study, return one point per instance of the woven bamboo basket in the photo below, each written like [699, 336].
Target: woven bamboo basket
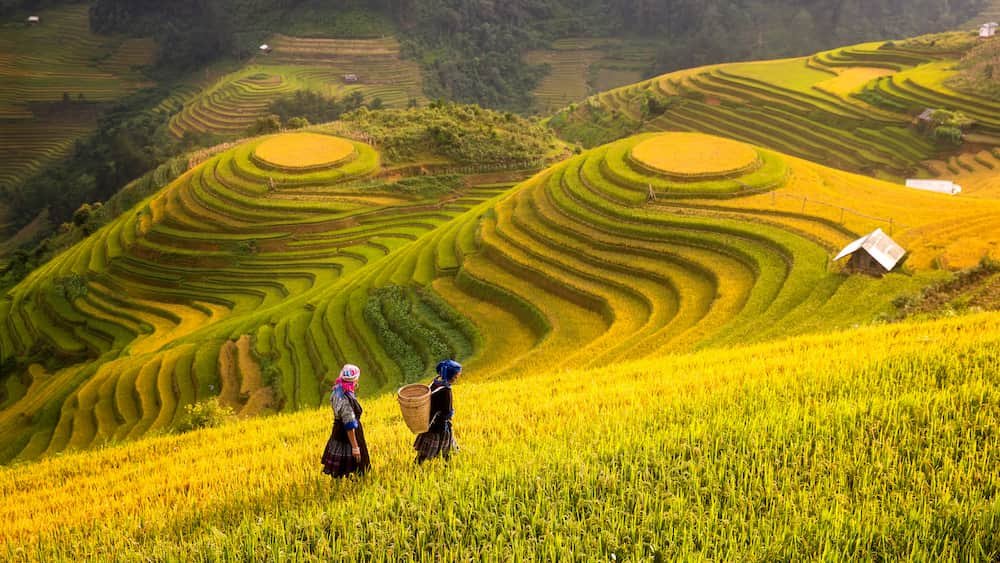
[415, 402]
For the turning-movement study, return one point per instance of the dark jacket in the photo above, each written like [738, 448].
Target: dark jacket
[441, 407]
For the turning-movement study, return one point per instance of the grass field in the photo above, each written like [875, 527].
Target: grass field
[812, 448]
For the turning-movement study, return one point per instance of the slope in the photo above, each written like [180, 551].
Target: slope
[850, 108]
[815, 447]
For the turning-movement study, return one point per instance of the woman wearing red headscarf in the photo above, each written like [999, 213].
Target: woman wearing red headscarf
[346, 451]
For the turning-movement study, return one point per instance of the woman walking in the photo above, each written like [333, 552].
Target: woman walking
[346, 451]
[438, 440]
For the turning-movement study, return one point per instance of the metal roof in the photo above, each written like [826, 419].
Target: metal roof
[879, 246]
[940, 186]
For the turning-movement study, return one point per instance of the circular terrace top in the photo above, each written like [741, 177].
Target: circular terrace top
[303, 150]
[694, 154]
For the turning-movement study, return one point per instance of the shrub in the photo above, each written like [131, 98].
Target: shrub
[952, 135]
[297, 123]
[204, 414]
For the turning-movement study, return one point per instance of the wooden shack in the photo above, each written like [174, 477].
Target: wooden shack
[351, 78]
[875, 254]
[265, 49]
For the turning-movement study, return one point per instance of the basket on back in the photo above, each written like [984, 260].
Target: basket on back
[415, 402]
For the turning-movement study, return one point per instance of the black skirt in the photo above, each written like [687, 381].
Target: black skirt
[433, 444]
[337, 458]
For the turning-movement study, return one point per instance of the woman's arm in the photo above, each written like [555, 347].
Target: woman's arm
[353, 439]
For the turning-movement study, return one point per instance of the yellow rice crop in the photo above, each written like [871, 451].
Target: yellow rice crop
[956, 231]
[686, 154]
[809, 448]
[851, 79]
[303, 150]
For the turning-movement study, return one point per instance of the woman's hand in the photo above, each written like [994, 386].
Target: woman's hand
[355, 450]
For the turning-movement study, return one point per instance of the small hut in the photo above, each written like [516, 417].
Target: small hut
[34, 20]
[351, 78]
[926, 117]
[874, 254]
[988, 30]
[265, 49]
[939, 186]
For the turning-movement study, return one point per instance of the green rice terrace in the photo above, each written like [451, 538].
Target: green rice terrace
[853, 108]
[258, 272]
[53, 75]
[579, 67]
[332, 67]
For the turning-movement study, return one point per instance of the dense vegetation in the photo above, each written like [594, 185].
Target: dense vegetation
[980, 71]
[472, 50]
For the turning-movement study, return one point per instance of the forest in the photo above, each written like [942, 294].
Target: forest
[471, 49]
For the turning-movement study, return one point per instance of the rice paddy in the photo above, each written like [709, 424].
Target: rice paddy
[53, 74]
[694, 154]
[597, 259]
[236, 100]
[851, 108]
[811, 448]
[662, 360]
[303, 150]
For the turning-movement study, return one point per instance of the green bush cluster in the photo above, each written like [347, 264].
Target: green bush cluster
[416, 329]
[204, 414]
[70, 287]
[463, 133]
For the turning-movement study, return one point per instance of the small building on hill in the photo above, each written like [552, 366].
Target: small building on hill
[939, 186]
[265, 49]
[33, 20]
[926, 117]
[988, 30]
[874, 254]
[351, 78]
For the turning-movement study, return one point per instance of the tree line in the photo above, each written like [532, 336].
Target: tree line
[471, 49]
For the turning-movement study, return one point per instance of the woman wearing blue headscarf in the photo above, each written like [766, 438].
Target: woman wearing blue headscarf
[439, 440]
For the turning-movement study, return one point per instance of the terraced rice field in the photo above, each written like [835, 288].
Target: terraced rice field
[40, 64]
[818, 107]
[808, 448]
[230, 248]
[233, 102]
[580, 67]
[251, 280]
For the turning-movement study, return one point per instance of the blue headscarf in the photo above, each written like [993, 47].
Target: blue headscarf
[447, 370]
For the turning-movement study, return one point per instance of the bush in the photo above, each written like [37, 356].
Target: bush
[204, 414]
[952, 135]
[298, 123]
[265, 125]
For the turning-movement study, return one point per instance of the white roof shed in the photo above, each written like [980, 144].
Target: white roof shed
[939, 186]
[879, 246]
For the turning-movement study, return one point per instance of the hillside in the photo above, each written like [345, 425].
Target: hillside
[579, 67]
[58, 76]
[236, 100]
[852, 108]
[874, 443]
[255, 274]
